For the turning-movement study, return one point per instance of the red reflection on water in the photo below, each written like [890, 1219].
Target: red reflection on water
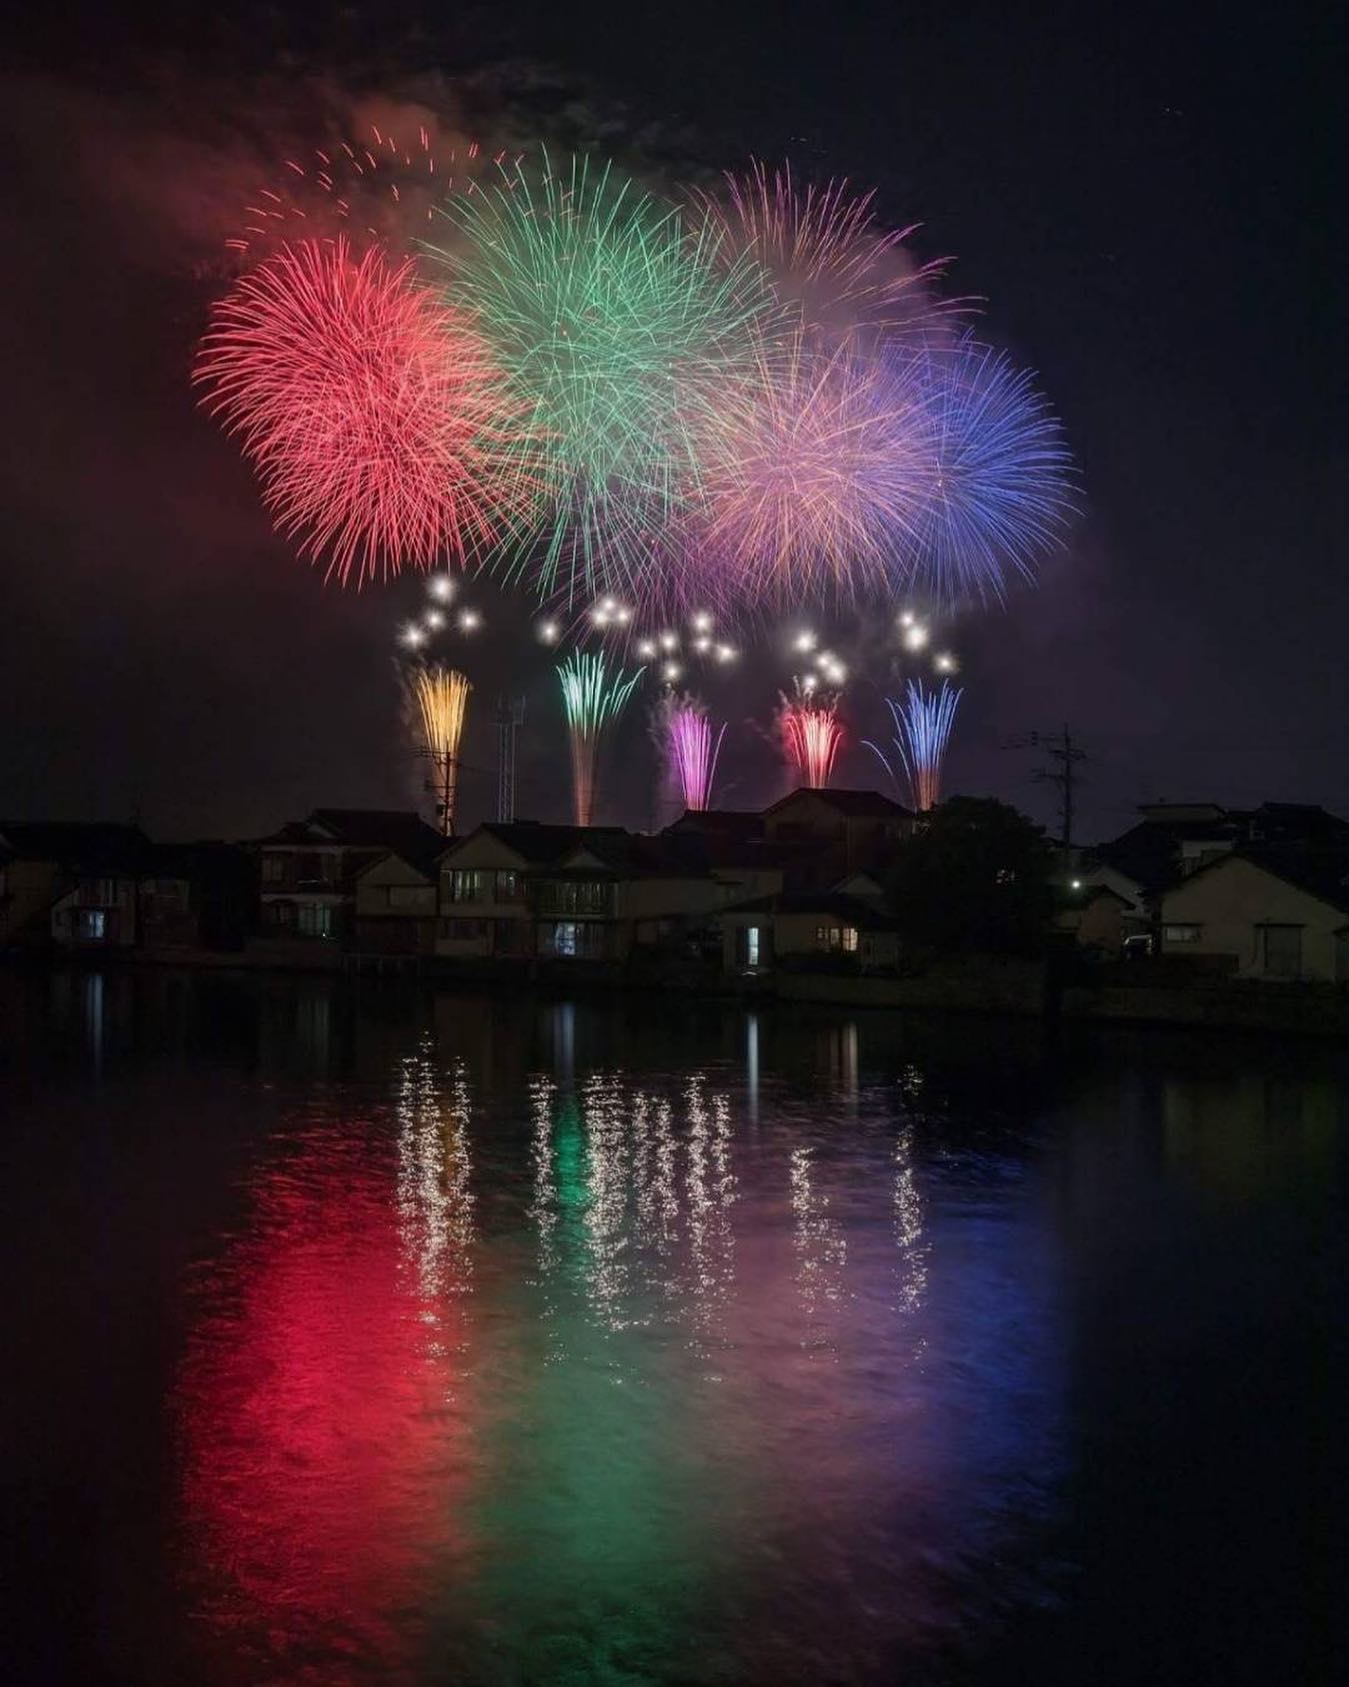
[321, 1422]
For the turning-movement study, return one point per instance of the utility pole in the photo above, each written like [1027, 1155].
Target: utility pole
[444, 787]
[1064, 755]
[509, 717]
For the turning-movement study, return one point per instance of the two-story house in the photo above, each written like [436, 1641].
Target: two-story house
[522, 890]
[308, 873]
[485, 908]
[819, 836]
[730, 846]
[397, 897]
[613, 892]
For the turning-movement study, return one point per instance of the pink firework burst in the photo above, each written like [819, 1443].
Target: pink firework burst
[812, 734]
[830, 260]
[815, 476]
[378, 424]
[692, 747]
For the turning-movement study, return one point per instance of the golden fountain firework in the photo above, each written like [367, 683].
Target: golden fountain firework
[441, 695]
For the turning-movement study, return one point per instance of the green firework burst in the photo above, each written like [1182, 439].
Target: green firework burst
[593, 701]
[617, 322]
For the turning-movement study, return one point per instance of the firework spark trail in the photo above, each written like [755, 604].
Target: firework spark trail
[817, 476]
[811, 735]
[378, 424]
[620, 324]
[999, 490]
[691, 749]
[371, 191]
[922, 730]
[830, 262]
[593, 701]
[441, 696]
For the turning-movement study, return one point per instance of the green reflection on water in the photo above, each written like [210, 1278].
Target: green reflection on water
[596, 1531]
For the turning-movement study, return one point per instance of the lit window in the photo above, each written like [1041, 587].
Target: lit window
[91, 925]
[576, 939]
[850, 939]
[752, 946]
[466, 885]
[1180, 934]
[586, 896]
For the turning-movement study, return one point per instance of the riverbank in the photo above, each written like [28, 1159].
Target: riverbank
[982, 985]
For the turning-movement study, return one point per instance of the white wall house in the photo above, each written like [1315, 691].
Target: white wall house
[1270, 921]
[483, 908]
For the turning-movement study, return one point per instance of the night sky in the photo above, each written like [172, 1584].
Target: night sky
[1139, 193]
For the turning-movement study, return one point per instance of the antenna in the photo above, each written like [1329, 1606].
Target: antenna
[509, 717]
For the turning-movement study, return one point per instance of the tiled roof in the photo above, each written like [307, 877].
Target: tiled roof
[855, 805]
[399, 830]
[745, 821]
[541, 844]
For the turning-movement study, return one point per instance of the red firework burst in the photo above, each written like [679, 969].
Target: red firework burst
[379, 426]
[812, 735]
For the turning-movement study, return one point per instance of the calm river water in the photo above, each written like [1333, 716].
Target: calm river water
[439, 1338]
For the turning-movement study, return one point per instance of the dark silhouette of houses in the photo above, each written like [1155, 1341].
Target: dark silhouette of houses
[308, 872]
[70, 884]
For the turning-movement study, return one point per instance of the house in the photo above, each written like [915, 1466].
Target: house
[730, 846]
[196, 896]
[521, 890]
[1096, 916]
[308, 873]
[1264, 913]
[396, 901]
[68, 884]
[801, 927]
[1286, 825]
[483, 906]
[614, 892]
[1172, 840]
[818, 836]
